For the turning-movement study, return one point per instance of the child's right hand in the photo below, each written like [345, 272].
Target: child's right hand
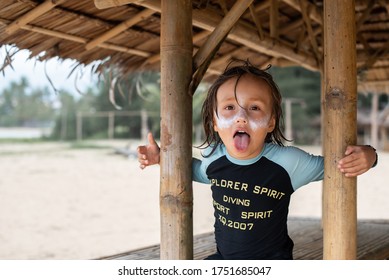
[148, 154]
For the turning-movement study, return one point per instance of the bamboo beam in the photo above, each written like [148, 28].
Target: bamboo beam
[249, 38]
[220, 32]
[365, 14]
[263, 5]
[104, 4]
[221, 61]
[374, 87]
[119, 28]
[366, 45]
[340, 215]
[273, 19]
[291, 26]
[364, 42]
[123, 49]
[202, 69]
[208, 20]
[176, 198]
[204, 55]
[80, 40]
[373, 58]
[256, 21]
[311, 35]
[379, 83]
[362, 56]
[315, 13]
[32, 14]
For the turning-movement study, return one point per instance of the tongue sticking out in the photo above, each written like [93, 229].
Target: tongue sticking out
[241, 141]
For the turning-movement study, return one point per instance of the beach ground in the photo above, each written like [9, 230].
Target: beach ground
[58, 201]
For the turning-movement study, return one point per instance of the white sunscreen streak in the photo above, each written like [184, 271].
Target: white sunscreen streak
[254, 124]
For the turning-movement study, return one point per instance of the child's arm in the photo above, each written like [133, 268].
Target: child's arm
[357, 160]
[148, 154]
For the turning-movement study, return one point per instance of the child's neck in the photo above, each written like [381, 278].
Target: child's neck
[245, 160]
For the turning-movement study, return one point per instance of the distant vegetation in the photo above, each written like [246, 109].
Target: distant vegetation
[21, 105]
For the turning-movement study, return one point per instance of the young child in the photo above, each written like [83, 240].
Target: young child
[252, 174]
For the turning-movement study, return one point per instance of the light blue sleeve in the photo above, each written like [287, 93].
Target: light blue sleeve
[301, 166]
[200, 165]
[199, 171]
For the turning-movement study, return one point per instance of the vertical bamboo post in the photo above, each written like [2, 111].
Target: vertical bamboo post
[79, 126]
[374, 120]
[144, 128]
[288, 119]
[339, 217]
[176, 198]
[111, 124]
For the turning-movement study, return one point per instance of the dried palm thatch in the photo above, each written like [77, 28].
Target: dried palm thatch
[127, 37]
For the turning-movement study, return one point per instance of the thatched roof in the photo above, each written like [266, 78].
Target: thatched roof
[128, 36]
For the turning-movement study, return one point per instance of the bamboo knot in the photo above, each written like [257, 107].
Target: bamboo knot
[335, 99]
[175, 203]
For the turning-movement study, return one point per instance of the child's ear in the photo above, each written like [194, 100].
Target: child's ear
[214, 123]
[271, 125]
[215, 126]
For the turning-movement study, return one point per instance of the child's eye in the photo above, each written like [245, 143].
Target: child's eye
[254, 108]
[229, 107]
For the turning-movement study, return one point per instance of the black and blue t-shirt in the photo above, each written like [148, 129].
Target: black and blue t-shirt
[251, 198]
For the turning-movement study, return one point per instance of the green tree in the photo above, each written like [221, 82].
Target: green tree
[303, 86]
[21, 105]
[133, 93]
[198, 100]
[65, 122]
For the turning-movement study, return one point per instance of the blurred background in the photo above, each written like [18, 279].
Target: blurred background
[70, 185]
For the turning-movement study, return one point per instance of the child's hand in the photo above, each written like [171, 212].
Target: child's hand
[357, 161]
[148, 154]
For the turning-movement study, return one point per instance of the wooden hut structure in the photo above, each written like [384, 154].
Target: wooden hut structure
[346, 40]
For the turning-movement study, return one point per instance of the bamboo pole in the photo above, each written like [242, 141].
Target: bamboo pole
[176, 198]
[374, 120]
[79, 126]
[340, 215]
[288, 119]
[144, 127]
[111, 125]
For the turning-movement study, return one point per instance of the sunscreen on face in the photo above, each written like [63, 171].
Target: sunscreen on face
[254, 124]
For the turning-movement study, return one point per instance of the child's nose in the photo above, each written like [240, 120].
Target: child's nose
[241, 116]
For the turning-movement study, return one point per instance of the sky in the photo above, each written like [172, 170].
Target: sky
[58, 71]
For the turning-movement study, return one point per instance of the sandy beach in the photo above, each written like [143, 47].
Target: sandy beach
[58, 202]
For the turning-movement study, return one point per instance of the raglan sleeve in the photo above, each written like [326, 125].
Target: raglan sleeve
[199, 171]
[304, 167]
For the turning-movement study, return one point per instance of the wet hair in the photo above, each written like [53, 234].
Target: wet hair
[210, 103]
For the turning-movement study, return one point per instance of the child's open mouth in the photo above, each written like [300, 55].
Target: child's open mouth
[241, 140]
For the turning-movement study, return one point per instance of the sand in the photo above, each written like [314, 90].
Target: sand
[63, 203]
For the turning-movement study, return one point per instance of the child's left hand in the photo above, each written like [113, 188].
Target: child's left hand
[357, 161]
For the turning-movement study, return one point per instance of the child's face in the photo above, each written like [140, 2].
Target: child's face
[243, 122]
